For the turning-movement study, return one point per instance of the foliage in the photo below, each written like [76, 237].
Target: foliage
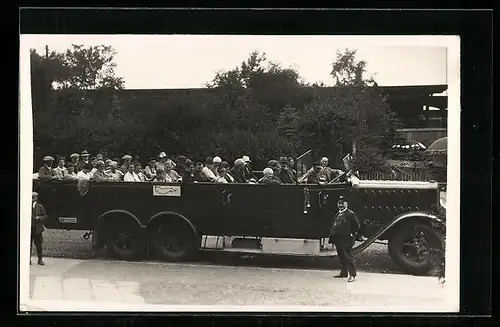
[258, 109]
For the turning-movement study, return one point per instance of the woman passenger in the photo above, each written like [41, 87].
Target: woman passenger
[223, 174]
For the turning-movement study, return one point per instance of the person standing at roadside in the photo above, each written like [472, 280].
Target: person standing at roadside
[38, 216]
[345, 227]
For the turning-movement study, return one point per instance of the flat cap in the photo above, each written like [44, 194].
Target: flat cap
[85, 153]
[273, 163]
[224, 164]
[48, 158]
[127, 157]
[74, 155]
[162, 155]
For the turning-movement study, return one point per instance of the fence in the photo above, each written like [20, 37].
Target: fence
[397, 176]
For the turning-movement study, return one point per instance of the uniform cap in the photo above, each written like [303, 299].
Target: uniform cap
[85, 153]
[217, 159]
[48, 158]
[162, 155]
[342, 198]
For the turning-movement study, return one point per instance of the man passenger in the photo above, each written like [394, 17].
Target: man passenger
[126, 162]
[60, 171]
[198, 175]
[285, 175]
[276, 167]
[85, 160]
[84, 174]
[71, 175]
[238, 171]
[46, 172]
[139, 172]
[100, 175]
[215, 167]
[75, 157]
[114, 173]
[249, 175]
[315, 177]
[180, 165]
[150, 170]
[162, 158]
[223, 174]
[269, 177]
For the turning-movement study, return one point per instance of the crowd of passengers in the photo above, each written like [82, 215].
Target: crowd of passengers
[181, 170]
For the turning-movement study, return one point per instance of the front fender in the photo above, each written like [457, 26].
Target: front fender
[397, 221]
[97, 239]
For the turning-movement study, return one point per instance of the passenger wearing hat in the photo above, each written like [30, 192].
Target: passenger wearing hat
[71, 174]
[269, 177]
[114, 173]
[343, 232]
[150, 170]
[107, 162]
[100, 175]
[85, 160]
[60, 171]
[99, 157]
[46, 172]
[315, 176]
[276, 167]
[238, 171]
[189, 173]
[162, 159]
[249, 175]
[216, 163]
[75, 157]
[38, 216]
[207, 171]
[171, 175]
[84, 174]
[285, 174]
[223, 174]
[126, 162]
[180, 165]
[139, 171]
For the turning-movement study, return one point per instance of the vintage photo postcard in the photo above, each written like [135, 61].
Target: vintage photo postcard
[239, 173]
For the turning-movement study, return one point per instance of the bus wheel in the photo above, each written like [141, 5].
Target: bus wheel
[172, 240]
[411, 247]
[125, 240]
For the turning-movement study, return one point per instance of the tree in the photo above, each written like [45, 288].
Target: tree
[346, 71]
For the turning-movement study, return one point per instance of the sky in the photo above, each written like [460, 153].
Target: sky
[189, 61]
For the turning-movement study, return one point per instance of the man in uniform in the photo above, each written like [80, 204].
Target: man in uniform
[38, 215]
[344, 230]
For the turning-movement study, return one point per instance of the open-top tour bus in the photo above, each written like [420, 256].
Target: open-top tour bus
[173, 221]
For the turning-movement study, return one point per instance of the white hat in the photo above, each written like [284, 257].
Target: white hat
[324, 159]
[246, 159]
[127, 157]
[113, 164]
[268, 171]
[162, 155]
[217, 160]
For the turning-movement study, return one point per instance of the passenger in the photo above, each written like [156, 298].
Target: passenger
[171, 175]
[275, 166]
[140, 172]
[93, 162]
[99, 157]
[106, 165]
[126, 162]
[114, 174]
[238, 171]
[291, 165]
[223, 174]
[189, 173]
[85, 160]
[71, 175]
[100, 175]
[131, 176]
[160, 176]
[216, 164]
[269, 177]
[207, 171]
[136, 158]
[198, 175]
[60, 171]
[249, 175]
[46, 172]
[75, 157]
[162, 158]
[180, 165]
[326, 172]
[84, 174]
[285, 175]
[150, 169]
[316, 177]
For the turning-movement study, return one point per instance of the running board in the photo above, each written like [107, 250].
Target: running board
[255, 251]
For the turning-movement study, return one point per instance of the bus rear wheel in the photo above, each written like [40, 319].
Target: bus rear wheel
[172, 240]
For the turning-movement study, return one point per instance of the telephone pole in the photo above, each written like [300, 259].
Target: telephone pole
[46, 52]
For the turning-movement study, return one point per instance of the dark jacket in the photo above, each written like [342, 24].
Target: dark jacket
[189, 177]
[37, 225]
[45, 173]
[248, 172]
[272, 179]
[344, 224]
[238, 175]
[286, 176]
[313, 178]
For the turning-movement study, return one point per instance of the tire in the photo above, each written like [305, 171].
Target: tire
[172, 240]
[415, 238]
[124, 239]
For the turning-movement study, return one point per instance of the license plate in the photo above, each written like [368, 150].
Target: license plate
[67, 220]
